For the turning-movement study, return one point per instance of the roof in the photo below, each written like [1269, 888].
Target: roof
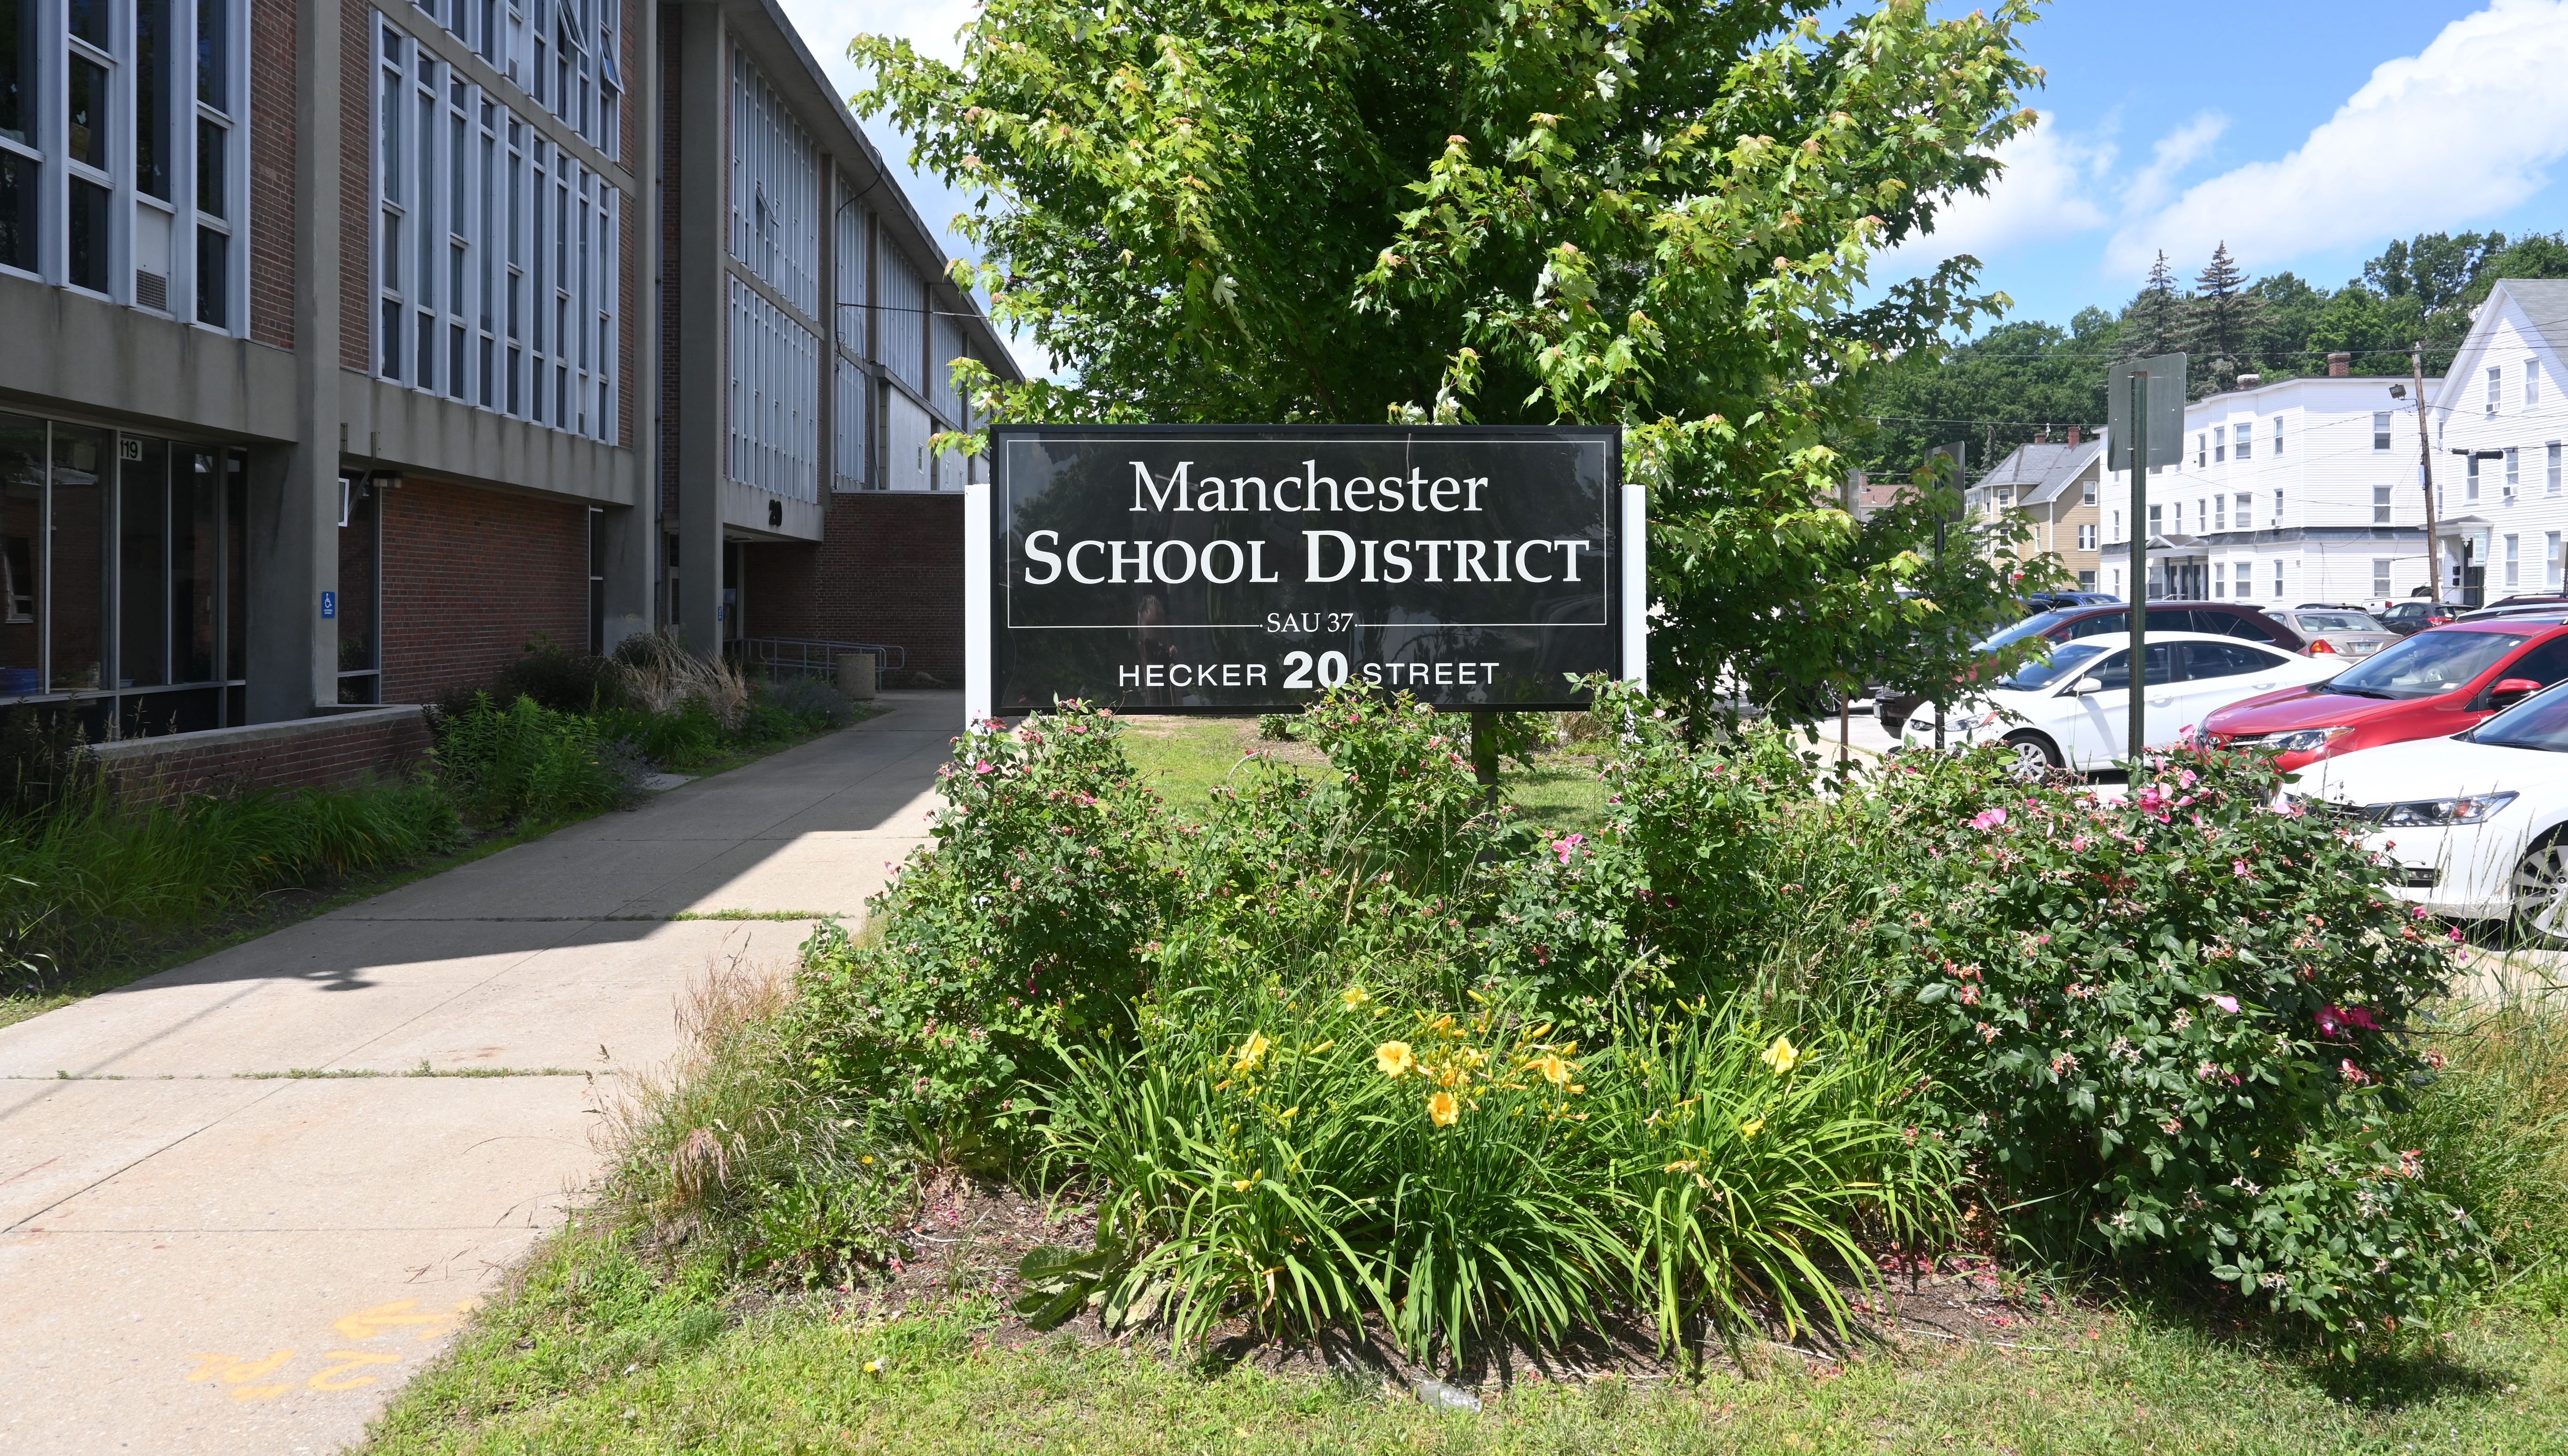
[2065, 469]
[2027, 465]
[2544, 302]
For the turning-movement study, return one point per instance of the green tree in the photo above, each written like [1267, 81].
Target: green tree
[1996, 392]
[1642, 212]
[2223, 315]
[2154, 322]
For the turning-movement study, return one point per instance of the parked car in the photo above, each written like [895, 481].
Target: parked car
[2225, 619]
[2415, 615]
[2346, 630]
[2063, 601]
[2430, 686]
[2477, 823]
[2073, 712]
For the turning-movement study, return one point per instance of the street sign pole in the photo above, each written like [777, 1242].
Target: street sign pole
[2140, 599]
[2134, 391]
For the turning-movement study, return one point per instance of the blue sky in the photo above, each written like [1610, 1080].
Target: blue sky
[2304, 132]
[2305, 135]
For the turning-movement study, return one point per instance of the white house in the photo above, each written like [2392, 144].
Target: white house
[2300, 491]
[2503, 516]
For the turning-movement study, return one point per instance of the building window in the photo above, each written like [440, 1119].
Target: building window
[2197, 451]
[2086, 536]
[2245, 507]
[2088, 497]
[2531, 382]
[2157, 520]
[2117, 525]
[2278, 579]
[2513, 471]
[2219, 444]
[2550, 559]
[2246, 438]
[775, 386]
[2278, 437]
[498, 254]
[2513, 555]
[122, 561]
[2470, 483]
[113, 148]
[2380, 429]
[2380, 577]
[2381, 506]
[900, 319]
[2086, 581]
[2006, 495]
[2495, 383]
[2220, 578]
[775, 191]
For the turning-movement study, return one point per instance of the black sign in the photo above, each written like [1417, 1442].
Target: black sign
[1244, 568]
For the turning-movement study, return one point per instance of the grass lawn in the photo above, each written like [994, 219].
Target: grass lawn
[592, 1353]
[1185, 757]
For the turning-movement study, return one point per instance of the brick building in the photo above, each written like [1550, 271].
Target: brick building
[353, 343]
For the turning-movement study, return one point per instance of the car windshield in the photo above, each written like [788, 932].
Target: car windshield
[2067, 661]
[2538, 722]
[2334, 622]
[2033, 626]
[2425, 663]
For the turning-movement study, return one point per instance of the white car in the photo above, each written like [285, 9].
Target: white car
[2477, 823]
[2073, 712]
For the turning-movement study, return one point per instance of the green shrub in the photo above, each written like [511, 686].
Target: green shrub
[1758, 1157]
[561, 680]
[1312, 1155]
[2491, 1129]
[530, 762]
[739, 1162]
[2172, 1023]
[687, 735]
[87, 878]
[809, 705]
[1024, 920]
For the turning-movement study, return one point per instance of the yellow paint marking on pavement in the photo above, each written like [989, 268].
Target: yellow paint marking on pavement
[338, 1376]
[384, 1318]
[237, 1373]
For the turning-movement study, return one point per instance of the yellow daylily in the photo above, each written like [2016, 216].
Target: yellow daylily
[1554, 1069]
[1395, 1059]
[1250, 1053]
[1751, 1127]
[1783, 1057]
[1443, 1108]
[1354, 997]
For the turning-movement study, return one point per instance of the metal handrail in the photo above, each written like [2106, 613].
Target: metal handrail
[812, 655]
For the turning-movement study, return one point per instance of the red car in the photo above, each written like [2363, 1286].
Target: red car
[2430, 686]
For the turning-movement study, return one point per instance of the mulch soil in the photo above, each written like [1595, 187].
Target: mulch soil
[966, 1239]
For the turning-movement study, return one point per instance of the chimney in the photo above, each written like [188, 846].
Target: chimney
[2074, 430]
[2042, 435]
[2249, 381]
[2340, 365]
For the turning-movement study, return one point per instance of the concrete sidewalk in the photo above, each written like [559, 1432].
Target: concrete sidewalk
[234, 1215]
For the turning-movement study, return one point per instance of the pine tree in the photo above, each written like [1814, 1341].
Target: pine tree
[2224, 314]
[2154, 324]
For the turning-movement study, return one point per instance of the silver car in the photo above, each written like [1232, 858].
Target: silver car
[2340, 630]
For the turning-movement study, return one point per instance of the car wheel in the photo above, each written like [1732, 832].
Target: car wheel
[2031, 755]
[2541, 894]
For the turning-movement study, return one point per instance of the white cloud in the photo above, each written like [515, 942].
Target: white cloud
[2463, 131]
[2174, 152]
[2040, 195]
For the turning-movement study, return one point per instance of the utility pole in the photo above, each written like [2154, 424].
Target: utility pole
[2138, 608]
[2426, 472]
